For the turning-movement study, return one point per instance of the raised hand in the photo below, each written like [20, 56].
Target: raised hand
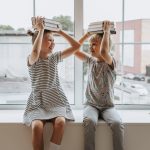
[39, 23]
[106, 26]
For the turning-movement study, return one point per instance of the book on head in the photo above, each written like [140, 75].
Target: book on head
[49, 24]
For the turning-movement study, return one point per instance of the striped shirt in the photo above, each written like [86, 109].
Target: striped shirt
[47, 99]
[101, 78]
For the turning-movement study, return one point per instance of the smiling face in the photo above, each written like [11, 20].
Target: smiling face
[48, 42]
[95, 43]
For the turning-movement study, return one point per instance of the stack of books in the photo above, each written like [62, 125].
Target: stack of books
[49, 24]
[97, 27]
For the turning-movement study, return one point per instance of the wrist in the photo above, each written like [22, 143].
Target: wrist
[40, 30]
[88, 34]
[107, 31]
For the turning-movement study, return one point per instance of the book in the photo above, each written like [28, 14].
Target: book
[49, 24]
[97, 27]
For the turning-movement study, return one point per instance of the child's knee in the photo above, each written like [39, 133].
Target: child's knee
[37, 124]
[89, 122]
[117, 125]
[59, 123]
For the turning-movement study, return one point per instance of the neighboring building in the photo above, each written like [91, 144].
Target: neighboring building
[135, 56]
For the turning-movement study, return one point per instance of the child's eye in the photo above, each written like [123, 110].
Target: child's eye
[51, 40]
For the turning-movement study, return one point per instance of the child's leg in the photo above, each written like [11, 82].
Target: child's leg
[90, 118]
[37, 134]
[58, 131]
[112, 117]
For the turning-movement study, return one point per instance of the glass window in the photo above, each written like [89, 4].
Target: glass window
[98, 10]
[14, 47]
[138, 19]
[133, 83]
[62, 11]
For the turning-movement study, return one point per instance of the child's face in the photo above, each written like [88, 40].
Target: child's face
[95, 46]
[48, 42]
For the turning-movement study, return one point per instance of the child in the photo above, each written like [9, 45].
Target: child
[99, 91]
[47, 101]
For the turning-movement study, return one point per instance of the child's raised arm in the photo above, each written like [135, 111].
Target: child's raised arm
[38, 41]
[80, 54]
[105, 45]
[74, 45]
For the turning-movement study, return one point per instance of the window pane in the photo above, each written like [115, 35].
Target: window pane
[14, 47]
[138, 19]
[98, 10]
[62, 11]
[133, 83]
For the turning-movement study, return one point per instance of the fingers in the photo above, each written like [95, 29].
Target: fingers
[39, 19]
[106, 25]
[39, 22]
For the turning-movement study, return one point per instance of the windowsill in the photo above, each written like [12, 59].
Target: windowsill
[128, 116]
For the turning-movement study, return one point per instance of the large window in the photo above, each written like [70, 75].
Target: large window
[15, 46]
[96, 10]
[131, 47]
[62, 11]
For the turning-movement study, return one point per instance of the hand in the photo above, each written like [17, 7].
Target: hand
[106, 26]
[89, 34]
[39, 23]
[58, 32]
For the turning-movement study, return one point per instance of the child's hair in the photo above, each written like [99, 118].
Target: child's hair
[100, 36]
[35, 33]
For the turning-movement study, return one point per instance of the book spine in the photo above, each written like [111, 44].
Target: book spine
[101, 31]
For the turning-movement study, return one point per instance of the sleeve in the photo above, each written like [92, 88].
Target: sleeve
[28, 61]
[89, 60]
[28, 65]
[113, 65]
[57, 56]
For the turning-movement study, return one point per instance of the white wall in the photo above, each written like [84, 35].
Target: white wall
[15, 136]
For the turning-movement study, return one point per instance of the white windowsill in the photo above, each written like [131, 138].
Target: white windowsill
[128, 116]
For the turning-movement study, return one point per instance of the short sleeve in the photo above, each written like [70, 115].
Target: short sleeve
[90, 60]
[57, 56]
[113, 65]
[28, 65]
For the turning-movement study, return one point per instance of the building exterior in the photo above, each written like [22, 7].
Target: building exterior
[135, 57]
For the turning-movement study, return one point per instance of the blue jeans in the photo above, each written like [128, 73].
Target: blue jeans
[111, 116]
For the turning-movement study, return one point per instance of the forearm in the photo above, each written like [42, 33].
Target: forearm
[38, 42]
[104, 49]
[86, 36]
[71, 40]
[80, 54]
[82, 40]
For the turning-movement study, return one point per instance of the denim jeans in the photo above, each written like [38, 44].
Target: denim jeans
[111, 116]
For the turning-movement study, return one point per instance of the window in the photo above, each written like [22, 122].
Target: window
[14, 48]
[131, 47]
[96, 10]
[62, 11]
